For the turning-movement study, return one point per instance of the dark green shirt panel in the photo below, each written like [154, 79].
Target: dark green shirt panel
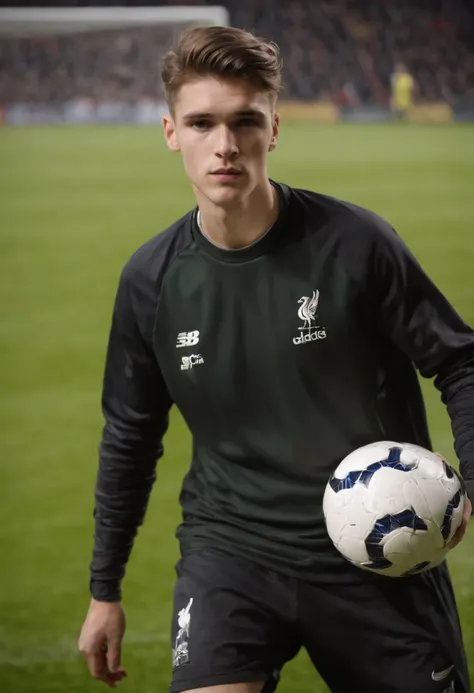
[272, 405]
[256, 373]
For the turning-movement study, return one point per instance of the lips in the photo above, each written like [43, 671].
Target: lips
[226, 172]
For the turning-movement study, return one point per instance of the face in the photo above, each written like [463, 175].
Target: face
[224, 131]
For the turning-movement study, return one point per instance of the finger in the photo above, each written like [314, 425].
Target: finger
[108, 678]
[113, 655]
[98, 667]
[467, 509]
[117, 676]
[458, 535]
[100, 670]
[462, 529]
[95, 662]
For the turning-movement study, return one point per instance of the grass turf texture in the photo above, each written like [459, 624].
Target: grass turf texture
[75, 203]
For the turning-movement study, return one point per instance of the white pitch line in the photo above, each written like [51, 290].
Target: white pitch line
[65, 650]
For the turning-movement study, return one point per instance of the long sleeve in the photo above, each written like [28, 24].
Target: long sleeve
[135, 404]
[415, 316]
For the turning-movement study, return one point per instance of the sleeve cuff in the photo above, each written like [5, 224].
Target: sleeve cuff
[105, 590]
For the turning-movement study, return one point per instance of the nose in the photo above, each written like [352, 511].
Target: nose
[226, 144]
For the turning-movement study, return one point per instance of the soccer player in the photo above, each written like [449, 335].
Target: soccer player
[402, 86]
[286, 326]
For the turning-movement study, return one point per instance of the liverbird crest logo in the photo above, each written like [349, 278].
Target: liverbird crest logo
[181, 646]
[307, 313]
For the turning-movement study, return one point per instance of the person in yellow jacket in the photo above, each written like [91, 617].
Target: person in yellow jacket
[402, 85]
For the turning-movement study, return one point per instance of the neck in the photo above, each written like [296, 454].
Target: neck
[242, 225]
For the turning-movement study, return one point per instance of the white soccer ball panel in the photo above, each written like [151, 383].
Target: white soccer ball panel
[343, 513]
[387, 490]
[436, 498]
[431, 466]
[353, 548]
[398, 548]
[414, 497]
[425, 543]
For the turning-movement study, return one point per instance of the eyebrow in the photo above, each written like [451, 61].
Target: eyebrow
[197, 115]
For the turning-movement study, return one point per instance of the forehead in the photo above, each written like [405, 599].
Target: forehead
[220, 97]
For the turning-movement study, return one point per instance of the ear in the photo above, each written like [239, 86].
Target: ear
[274, 138]
[169, 131]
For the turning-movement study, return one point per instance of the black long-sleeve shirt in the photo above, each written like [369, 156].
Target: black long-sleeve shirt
[283, 357]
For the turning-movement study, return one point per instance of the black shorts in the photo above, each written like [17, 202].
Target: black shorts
[237, 622]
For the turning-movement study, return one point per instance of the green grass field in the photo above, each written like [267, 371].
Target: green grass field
[74, 204]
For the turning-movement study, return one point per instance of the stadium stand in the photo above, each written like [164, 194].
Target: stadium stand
[334, 50]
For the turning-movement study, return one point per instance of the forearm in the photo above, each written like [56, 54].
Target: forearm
[456, 383]
[124, 483]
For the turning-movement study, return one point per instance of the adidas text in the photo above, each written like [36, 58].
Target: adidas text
[310, 337]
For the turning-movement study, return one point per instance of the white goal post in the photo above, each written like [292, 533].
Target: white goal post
[51, 20]
[86, 65]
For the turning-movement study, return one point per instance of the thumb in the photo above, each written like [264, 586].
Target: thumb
[113, 655]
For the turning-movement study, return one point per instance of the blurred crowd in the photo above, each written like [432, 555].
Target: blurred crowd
[338, 50]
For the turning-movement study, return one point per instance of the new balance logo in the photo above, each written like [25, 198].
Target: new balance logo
[187, 339]
[189, 361]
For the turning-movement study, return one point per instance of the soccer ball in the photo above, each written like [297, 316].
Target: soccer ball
[392, 508]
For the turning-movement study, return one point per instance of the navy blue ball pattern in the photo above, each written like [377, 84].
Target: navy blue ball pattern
[448, 515]
[385, 525]
[364, 476]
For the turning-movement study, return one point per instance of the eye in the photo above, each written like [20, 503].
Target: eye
[201, 124]
[247, 122]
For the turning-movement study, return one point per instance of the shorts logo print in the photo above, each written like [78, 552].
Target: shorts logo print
[181, 647]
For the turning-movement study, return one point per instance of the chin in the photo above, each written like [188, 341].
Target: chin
[226, 195]
[230, 193]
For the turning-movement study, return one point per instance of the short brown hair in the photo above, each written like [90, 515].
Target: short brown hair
[221, 51]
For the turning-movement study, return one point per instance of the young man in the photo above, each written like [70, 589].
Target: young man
[207, 317]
